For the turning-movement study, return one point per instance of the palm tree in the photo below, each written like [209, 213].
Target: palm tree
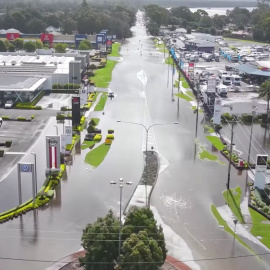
[265, 93]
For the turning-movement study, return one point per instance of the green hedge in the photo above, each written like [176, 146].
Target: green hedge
[27, 107]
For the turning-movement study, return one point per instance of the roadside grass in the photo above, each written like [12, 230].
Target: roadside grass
[233, 199]
[185, 84]
[101, 104]
[97, 155]
[161, 47]
[87, 144]
[244, 40]
[169, 61]
[176, 84]
[207, 155]
[95, 96]
[103, 76]
[215, 140]
[208, 129]
[183, 96]
[182, 79]
[190, 94]
[222, 222]
[259, 228]
[115, 50]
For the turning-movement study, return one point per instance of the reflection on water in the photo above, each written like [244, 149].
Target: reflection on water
[29, 236]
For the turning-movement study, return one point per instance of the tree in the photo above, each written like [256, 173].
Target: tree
[85, 45]
[3, 46]
[60, 47]
[265, 93]
[39, 44]
[143, 219]
[35, 26]
[18, 43]
[11, 48]
[141, 252]
[19, 21]
[100, 241]
[69, 25]
[205, 21]
[29, 46]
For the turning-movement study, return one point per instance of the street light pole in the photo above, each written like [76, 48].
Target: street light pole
[120, 214]
[56, 129]
[254, 108]
[197, 110]
[35, 159]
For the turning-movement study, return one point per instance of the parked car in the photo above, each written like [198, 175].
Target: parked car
[9, 104]
[222, 90]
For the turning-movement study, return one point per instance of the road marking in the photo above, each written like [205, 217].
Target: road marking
[195, 238]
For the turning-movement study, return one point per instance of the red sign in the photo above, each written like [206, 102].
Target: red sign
[109, 42]
[46, 38]
[191, 64]
[12, 36]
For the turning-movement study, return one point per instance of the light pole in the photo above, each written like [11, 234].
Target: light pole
[147, 128]
[56, 129]
[230, 161]
[197, 110]
[35, 159]
[254, 108]
[121, 182]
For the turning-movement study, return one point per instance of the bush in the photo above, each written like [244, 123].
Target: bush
[108, 141]
[110, 136]
[226, 117]
[60, 117]
[27, 107]
[5, 117]
[33, 116]
[57, 86]
[110, 131]
[246, 118]
[97, 138]
[2, 153]
[8, 144]
[91, 129]
[21, 119]
[90, 74]
[265, 209]
[92, 66]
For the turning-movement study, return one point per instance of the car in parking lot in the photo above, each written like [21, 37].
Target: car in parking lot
[9, 104]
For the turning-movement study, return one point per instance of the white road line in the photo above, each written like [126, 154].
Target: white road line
[195, 238]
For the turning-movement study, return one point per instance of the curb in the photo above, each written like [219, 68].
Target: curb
[74, 256]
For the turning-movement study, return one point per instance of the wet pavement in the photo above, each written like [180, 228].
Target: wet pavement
[184, 192]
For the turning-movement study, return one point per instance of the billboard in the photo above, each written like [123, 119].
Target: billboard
[76, 111]
[12, 36]
[260, 169]
[79, 38]
[44, 37]
[211, 85]
[100, 38]
[53, 152]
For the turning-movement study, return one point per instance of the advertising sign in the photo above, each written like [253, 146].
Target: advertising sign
[79, 38]
[63, 138]
[100, 38]
[217, 111]
[211, 85]
[53, 152]
[191, 70]
[114, 36]
[83, 95]
[68, 133]
[76, 111]
[260, 169]
[12, 36]
[44, 37]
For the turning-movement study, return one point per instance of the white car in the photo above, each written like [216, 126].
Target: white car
[9, 104]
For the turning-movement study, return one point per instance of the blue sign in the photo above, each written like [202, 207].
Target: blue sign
[25, 168]
[79, 38]
[100, 38]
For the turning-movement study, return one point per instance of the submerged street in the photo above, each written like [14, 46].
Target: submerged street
[186, 188]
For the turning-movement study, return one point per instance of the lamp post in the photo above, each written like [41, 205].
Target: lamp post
[147, 128]
[56, 129]
[121, 182]
[254, 108]
[230, 161]
[35, 160]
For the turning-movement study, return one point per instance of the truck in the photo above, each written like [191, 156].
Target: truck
[226, 79]
[222, 90]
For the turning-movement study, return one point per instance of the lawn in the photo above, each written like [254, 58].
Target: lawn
[244, 40]
[183, 96]
[206, 155]
[215, 140]
[102, 101]
[222, 222]
[87, 144]
[115, 50]
[97, 155]
[233, 200]
[185, 84]
[169, 61]
[104, 75]
[259, 228]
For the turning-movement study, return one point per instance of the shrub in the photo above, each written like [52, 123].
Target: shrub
[2, 153]
[108, 141]
[33, 116]
[110, 131]
[97, 138]
[110, 136]
[21, 119]
[57, 86]
[60, 117]
[90, 74]
[92, 66]
[91, 129]
[65, 108]
[5, 117]
[265, 209]
[8, 144]
[246, 118]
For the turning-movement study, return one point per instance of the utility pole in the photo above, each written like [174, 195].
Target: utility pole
[230, 161]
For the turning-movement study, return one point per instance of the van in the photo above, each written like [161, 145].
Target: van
[236, 80]
[194, 58]
[226, 79]
[222, 72]
[222, 90]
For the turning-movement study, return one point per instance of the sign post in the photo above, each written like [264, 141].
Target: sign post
[217, 111]
[26, 168]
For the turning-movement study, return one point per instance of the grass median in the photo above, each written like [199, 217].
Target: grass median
[183, 96]
[115, 50]
[102, 101]
[233, 199]
[215, 140]
[97, 155]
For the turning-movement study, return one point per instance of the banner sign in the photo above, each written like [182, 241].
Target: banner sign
[12, 36]
[68, 133]
[217, 111]
[44, 37]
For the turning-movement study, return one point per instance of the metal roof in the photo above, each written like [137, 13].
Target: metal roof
[252, 70]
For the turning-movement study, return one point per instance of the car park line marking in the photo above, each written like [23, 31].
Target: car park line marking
[193, 237]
